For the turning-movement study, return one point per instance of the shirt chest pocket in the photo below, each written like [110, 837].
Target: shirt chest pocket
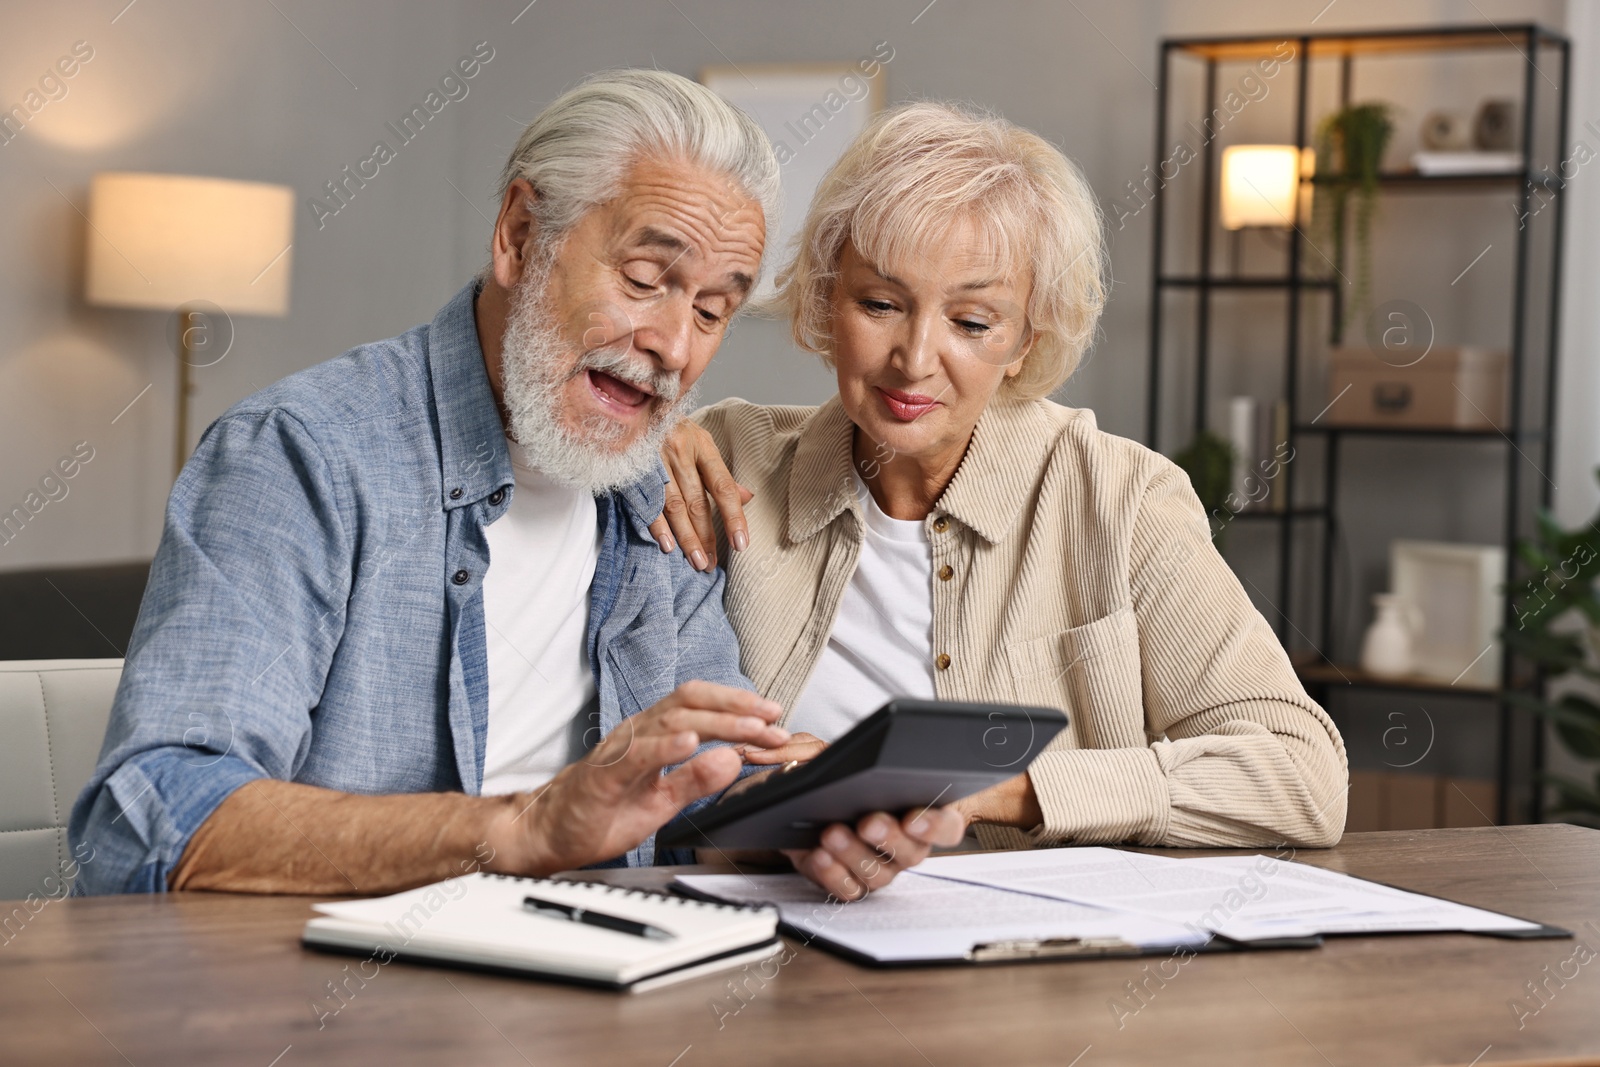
[644, 662]
[1092, 672]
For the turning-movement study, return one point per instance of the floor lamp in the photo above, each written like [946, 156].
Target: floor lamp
[204, 249]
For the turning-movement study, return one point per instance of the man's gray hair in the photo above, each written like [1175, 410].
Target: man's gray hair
[577, 151]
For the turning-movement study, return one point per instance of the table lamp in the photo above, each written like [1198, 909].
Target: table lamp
[1259, 184]
[174, 242]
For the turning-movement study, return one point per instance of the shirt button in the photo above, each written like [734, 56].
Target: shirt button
[496, 496]
[945, 572]
[455, 494]
[942, 661]
[460, 578]
[941, 524]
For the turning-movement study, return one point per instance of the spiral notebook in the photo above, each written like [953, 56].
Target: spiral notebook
[478, 921]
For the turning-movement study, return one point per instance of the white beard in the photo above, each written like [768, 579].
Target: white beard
[535, 366]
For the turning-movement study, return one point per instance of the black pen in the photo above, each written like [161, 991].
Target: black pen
[572, 913]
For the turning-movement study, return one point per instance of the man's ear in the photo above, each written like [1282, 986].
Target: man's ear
[514, 232]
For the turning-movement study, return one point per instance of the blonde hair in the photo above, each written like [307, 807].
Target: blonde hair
[918, 169]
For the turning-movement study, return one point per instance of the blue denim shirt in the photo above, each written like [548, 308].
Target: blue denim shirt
[315, 610]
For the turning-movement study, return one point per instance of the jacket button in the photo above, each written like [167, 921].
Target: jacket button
[945, 572]
[496, 496]
[460, 578]
[941, 524]
[455, 494]
[943, 661]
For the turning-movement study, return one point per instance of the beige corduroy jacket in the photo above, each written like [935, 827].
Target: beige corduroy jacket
[1072, 569]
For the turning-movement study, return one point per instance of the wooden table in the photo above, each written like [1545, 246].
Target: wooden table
[195, 978]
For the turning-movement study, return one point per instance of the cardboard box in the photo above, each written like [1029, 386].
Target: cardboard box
[1448, 388]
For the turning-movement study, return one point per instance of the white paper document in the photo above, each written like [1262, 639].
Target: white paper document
[1248, 898]
[928, 919]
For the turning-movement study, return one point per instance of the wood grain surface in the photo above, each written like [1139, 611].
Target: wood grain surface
[197, 978]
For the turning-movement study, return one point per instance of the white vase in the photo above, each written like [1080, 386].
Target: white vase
[1386, 650]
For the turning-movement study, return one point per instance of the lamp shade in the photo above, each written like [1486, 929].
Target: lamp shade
[167, 240]
[1259, 182]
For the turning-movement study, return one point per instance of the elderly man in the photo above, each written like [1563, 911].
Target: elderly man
[399, 593]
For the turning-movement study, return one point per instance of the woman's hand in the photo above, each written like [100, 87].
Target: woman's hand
[852, 863]
[697, 477]
[800, 748]
[1010, 803]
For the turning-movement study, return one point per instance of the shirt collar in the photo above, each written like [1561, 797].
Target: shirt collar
[995, 479]
[820, 486]
[998, 475]
[644, 499]
[473, 458]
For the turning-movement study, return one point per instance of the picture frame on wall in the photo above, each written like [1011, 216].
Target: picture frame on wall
[811, 112]
[1456, 590]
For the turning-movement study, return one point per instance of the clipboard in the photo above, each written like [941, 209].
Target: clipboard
[907, 754]
[1024, 949]
[983, 908]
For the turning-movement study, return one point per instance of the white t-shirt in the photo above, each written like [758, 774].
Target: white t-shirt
[882, 641]
[542, 556]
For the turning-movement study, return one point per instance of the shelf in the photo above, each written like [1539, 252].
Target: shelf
[1412, 431]
[1383, 42]
[1333, 674]
[1306, 512]
[1192, 359]
[1189, 281]
[1410, 180]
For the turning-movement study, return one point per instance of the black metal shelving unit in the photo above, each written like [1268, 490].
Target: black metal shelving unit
[1545, 70]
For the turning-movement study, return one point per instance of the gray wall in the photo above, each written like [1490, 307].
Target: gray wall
[241, 91]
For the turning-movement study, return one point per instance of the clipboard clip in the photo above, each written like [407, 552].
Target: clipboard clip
[1050, 948]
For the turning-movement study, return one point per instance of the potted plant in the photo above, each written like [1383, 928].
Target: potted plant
[1208, 461]
[1557, 627]
[1350, 145]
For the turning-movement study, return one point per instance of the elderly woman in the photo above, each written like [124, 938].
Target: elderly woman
[941, 529]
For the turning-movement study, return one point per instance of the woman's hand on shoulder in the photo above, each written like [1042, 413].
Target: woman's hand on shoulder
[697, 477]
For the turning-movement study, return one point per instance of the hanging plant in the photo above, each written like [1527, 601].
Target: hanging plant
[1350, 145]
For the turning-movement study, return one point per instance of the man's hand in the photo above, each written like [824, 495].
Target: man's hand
[851, 863]
[697, 477]
[616, 796]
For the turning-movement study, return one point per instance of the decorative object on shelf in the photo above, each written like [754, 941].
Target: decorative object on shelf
[205, 249]
[1450, 389]
[1387, 646]
[1208, 461]
[1557, 627]
[1446, 131]
[1495, 129]
[1350, 146]
[1257, 431]
[1446, 164]
[1456, 591]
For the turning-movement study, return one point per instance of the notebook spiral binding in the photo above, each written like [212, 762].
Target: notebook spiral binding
[606, 887]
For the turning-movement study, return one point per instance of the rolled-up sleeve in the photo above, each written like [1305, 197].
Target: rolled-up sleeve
[244, 608]
[1242, 757]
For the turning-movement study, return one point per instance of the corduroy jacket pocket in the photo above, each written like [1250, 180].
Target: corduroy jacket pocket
[1092, 672]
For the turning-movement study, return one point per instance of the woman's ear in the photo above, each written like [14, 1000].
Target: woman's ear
[1014, 368]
